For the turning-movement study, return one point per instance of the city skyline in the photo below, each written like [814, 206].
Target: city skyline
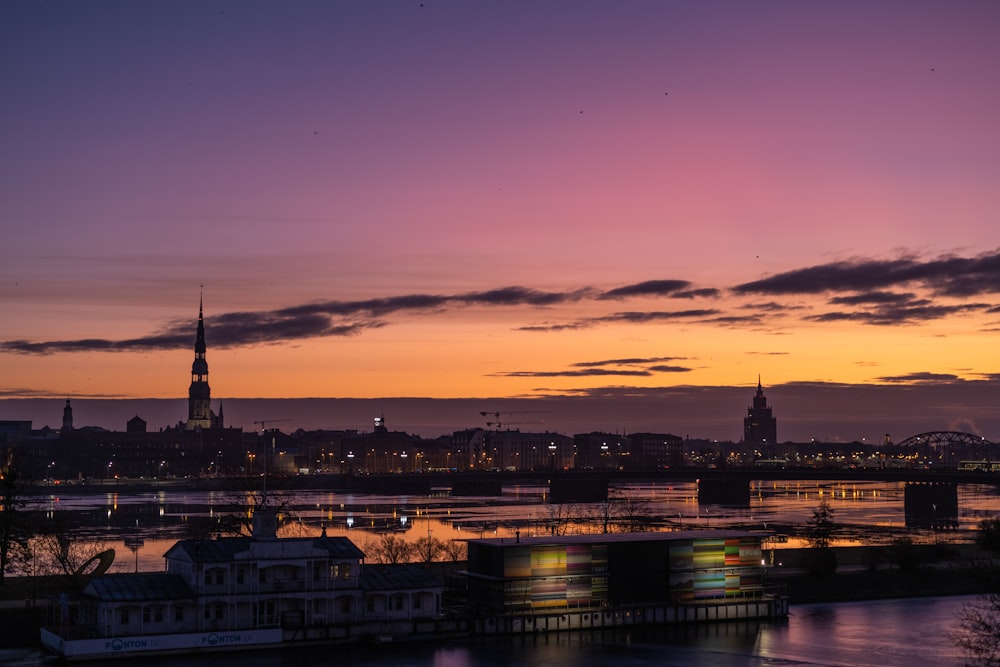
[597, 201]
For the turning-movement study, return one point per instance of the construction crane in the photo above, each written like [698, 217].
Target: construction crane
[498, 443]
[500, 424]
[264, 422]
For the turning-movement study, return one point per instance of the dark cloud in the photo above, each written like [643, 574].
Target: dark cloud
[923, 376]
[656, 316]
[702, 293]
[157, 342]
[631, 361]
[632, 317]
[313, 320]
[921, 312]
[769, 307]
[647, 288]
[877, 298]
[587, 372]
[45, 393]
[945, 275]
[566, 326]
[950, 276]
[738, 320]
[600, 368]
[669, 369]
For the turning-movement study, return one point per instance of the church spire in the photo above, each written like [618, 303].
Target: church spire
[199, 393]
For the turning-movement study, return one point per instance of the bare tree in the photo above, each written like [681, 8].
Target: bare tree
[620, 513]
[456, 550]
[978, 634]
[240, 522]
[605, 513]
[15, 530]
[57, 553]
[558, 517]
[634, 514]
[428, 549]
[389, 549]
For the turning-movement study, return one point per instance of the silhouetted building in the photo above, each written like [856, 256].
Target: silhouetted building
[655, 450]
[760, 428]
[601, 450]
[136, 425]
[67, 417]
[200, 413]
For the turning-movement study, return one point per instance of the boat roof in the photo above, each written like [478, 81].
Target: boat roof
[618, 538]
[138, 587]
[395, 577]
[228, 549]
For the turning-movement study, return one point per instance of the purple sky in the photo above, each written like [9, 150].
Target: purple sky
[500, 199]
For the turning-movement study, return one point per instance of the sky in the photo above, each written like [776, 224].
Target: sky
[518, 200]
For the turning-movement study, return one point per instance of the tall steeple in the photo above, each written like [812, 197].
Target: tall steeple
[199, 394]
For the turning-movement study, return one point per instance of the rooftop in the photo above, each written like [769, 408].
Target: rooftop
[604, 538]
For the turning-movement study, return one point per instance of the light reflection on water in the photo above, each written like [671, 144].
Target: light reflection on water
[161, 518]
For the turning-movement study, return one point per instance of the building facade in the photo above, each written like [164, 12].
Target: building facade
[613, 570]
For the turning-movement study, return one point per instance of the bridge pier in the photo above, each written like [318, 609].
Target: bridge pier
[931, 505]
[578, 487]
[733, 490]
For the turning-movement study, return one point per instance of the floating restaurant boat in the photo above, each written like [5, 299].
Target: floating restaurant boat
[264, 591]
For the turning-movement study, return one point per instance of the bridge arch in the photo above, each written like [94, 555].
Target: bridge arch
[951, 446]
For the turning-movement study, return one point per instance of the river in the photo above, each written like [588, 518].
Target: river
[142, 526]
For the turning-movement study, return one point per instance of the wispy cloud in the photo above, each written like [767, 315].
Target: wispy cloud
[575, 373]
[313, 320]
[867, 291]
[919, 377]
[628, 317]
[920, 311]
[630, 361]
[647, 288]
[878, 298]
[946, 275]
[627, 367]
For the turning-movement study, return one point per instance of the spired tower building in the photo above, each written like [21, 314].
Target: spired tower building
[760, 428]
[199, 394]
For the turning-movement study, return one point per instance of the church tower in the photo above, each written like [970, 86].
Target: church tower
[199, 394]
[67, 417]
[760, 428]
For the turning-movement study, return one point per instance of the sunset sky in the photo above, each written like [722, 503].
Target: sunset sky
[498, 199]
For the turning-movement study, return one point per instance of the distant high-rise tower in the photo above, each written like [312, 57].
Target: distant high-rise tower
[67, 417]
[199, 395]
[760, 428]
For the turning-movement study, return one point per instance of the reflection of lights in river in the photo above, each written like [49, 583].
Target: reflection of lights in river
[869, 509]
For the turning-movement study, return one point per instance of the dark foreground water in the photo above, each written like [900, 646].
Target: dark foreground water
[892, 633]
